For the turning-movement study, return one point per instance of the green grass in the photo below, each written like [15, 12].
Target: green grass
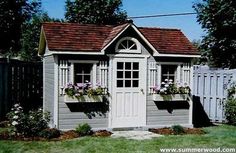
[218, 136]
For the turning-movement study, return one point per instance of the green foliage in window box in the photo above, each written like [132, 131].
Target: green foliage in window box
[80, 89]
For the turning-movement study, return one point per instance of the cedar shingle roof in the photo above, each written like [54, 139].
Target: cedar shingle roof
[92, 38]
[169, 41]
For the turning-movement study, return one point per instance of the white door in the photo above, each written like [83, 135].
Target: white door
[129, 92]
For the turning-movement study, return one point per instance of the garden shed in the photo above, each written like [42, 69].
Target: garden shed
[124, 63]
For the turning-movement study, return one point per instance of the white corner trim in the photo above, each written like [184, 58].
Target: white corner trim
[105, 47]
[110, 90]
[44, 86]
[55, 117]
[145, 40]
[175, 55]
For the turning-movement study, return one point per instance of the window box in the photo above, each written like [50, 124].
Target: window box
[170, 97]
[84, 98]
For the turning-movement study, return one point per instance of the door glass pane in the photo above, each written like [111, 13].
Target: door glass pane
[135, 66]
[127, 83]
[119, 83]
[135, 74]
[128, 66]
[135, 83]
[119, 74]
[127, 74]
[120, 65]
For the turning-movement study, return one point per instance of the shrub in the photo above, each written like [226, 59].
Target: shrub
[27, 124]
[83, 129]
[178, 129]
[230, 111]
[230, 105]
[50, 133]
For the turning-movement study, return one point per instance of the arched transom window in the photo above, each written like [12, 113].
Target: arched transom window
[128, 45]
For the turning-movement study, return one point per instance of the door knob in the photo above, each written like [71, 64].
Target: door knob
[142, 90]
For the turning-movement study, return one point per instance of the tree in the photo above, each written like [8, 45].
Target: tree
[13, 13]
[30, 36]
[95, 11]
[218, 19]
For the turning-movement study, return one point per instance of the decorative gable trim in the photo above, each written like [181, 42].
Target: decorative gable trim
[107, 45]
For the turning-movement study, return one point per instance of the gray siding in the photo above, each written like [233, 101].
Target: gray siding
[49, 86]
[69, 119]
[160, 117]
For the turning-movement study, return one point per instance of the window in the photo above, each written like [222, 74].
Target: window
[168, 72]
[82, 72]
[127, 74]
[128, 45]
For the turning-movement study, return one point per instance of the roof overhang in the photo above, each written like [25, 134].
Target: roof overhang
[42, 43]
[176, 55]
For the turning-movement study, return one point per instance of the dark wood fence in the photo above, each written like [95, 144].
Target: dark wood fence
[20, 82]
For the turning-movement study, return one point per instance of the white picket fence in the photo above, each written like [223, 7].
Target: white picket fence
[211, 85]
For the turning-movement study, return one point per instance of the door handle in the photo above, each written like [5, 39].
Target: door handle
[142, 90]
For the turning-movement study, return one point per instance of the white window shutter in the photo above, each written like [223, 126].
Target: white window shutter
[186, 75]
[152, 76]
[103, 74]
[63, 75]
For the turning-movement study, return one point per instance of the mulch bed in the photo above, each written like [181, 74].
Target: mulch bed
[71, 134]
[169, 131]
[102, 133]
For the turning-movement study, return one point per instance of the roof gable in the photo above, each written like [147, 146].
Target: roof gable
[74, 37]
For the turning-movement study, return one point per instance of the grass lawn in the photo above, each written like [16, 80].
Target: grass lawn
[223, 136]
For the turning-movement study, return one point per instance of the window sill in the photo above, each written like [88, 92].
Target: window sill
[170, 97]
[84, 98]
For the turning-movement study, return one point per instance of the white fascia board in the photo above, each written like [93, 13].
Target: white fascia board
[176, 55]
[145, 40]
[72, 53]
[104, 48]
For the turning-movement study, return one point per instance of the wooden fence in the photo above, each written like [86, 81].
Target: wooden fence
[20, 82]
[211, 85]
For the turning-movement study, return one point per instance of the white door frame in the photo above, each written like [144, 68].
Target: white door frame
[111, 87]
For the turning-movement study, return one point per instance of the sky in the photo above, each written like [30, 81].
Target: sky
[187, 24]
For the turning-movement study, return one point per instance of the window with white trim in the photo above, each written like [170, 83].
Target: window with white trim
[128, 45]
[83, 71]
[168, 72]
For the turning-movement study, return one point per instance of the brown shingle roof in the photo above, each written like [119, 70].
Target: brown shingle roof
[168, 41]
[92, 38]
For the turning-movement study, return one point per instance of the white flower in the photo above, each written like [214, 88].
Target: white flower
[40, 109]
[31, 117]
[14, 123]
[16, 105]
[15, 117]
[166, 80]
[16, 112]
[163, 83]
[170, 80]
[164, 89]
[166, 85]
